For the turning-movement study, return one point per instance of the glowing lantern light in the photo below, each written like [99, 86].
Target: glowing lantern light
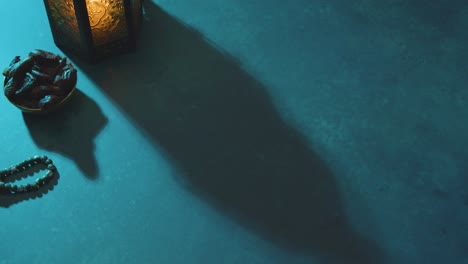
[94, 29]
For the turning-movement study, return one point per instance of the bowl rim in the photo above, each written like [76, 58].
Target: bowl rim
[39, 110]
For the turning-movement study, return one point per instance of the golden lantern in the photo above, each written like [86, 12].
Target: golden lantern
[94, 29]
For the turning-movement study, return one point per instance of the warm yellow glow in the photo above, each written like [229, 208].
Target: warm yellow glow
[107, 20]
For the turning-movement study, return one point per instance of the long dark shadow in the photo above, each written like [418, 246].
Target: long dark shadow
[70, 131]
[218, 125]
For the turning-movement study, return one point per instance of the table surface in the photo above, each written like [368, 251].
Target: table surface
[251, 132]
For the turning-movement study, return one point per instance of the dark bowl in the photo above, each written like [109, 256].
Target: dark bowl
[40, 110]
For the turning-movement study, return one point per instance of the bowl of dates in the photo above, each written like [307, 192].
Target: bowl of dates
[40, 83]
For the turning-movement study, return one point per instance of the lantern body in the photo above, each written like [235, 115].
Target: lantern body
[94, 29]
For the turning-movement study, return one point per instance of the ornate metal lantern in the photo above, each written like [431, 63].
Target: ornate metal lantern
[94, 29]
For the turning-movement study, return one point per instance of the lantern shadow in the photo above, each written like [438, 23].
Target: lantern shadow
[219, 126]
[70, 131]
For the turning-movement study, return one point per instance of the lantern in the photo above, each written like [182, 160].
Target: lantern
[94, 29]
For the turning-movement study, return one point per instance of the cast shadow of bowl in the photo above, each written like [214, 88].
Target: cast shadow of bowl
[70, 131]
[218, 125]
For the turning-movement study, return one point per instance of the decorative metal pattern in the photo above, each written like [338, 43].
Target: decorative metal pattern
[107, 20]
[94, 29]
[65, 23]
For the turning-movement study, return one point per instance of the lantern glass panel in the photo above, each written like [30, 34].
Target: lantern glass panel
[94, 29]
[107, 20]
[64, 23]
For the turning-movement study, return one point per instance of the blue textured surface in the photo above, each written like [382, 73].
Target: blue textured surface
[252, 132]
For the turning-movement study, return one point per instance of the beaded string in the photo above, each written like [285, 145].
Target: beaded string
[9, 188]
